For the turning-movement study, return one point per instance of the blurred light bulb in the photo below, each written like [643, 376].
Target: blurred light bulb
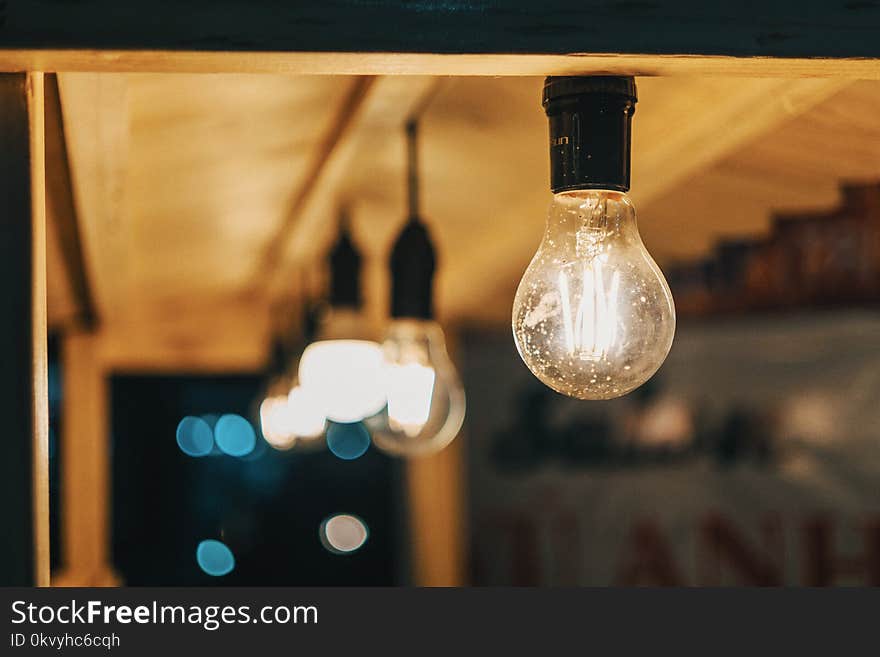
[305, 413]
[345, 377]
[593, 317]
[426, 401]
[410, 388]
[275, 424]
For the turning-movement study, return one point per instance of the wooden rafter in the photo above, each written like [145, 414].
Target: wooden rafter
[397, 63]
[62, 209]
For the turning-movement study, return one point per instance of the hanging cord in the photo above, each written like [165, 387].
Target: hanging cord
[412, 149]
[412, 257]
[412, 168]
[343, 219]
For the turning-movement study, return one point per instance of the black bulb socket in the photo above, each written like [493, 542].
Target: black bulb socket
[345, 272]
[590, 131]
[413, 262]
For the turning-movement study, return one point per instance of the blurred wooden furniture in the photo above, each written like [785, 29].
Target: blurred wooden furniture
[809, 260]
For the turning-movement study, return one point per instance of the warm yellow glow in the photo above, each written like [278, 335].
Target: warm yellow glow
[426, 401]
[410, 389]
[592, 332]
[345, 377]
[593, 317]
[304, 414]
[274, 423]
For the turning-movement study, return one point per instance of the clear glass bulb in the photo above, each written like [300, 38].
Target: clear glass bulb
[426, 401]
[593, 316]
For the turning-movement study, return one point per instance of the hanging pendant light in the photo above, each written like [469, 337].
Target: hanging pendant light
[287, 414]
[426, 401]
[593, 316]
[341, 372]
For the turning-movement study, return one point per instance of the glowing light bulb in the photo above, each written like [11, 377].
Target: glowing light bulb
[410, 389]
[426, 401]
[305, 415]
[285, 419]
[343, 370]
[345, 377]
[275, 424]
[593, 316]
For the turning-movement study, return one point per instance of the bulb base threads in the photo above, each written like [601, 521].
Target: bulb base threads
[590, 131]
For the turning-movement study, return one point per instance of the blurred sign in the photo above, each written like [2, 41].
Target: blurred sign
[752, 458]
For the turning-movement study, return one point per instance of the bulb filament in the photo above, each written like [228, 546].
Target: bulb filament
[591, 333]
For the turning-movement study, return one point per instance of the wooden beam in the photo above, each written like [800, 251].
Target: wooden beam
[97, 144]
[436, 506]
[403, 63]
[379, 115]
[86, 467]
[39, 384]
[61, 209]
[24, 468]
[335, 133]
[775, 28]
[232, 339]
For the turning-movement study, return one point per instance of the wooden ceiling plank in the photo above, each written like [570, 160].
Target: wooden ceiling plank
[205, 338]
[390, 63]
[799, 167]
[97, 130]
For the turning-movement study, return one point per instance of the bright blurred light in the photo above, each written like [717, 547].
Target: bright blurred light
[666, 423]
[348, 441]
[811, 416]
[215, 558]
[305, 413]
[343, 533]
[275, 424]
[234, 435]
[285, 419]
[410, 389]
[346, 377]
[194, 436]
